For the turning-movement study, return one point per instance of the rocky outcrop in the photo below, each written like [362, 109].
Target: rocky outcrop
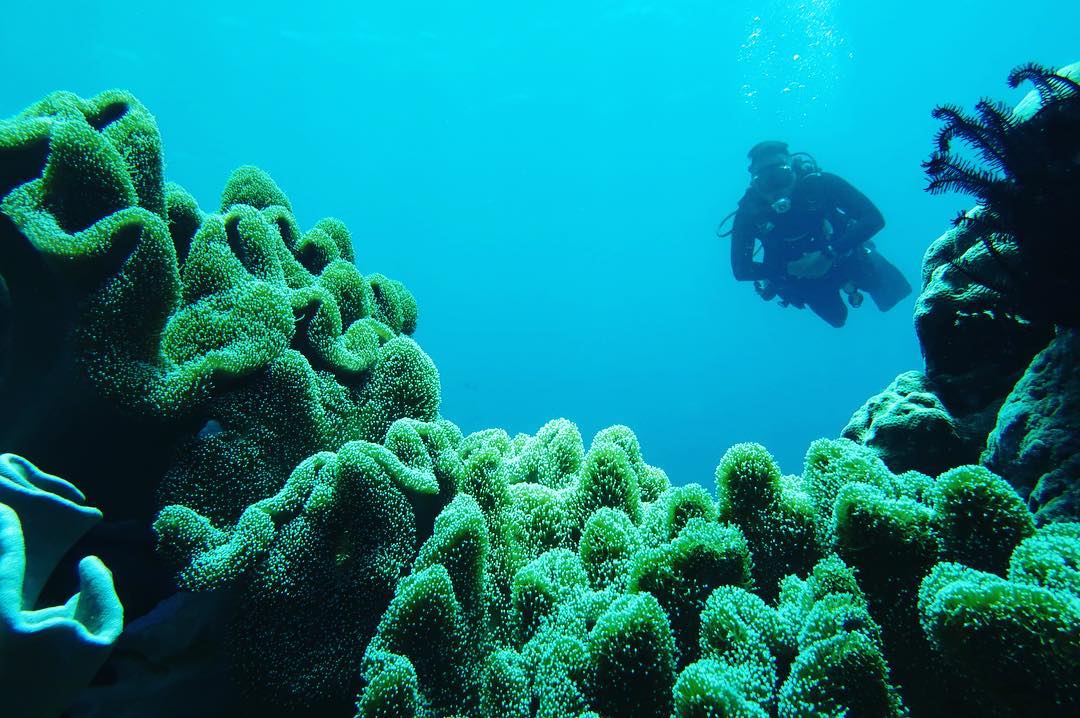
[1035, 443]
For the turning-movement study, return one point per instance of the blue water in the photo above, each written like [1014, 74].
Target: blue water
[546, 177]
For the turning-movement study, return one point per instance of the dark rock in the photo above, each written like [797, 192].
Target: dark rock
[974, 347]
[1035, 444]
[167, 664]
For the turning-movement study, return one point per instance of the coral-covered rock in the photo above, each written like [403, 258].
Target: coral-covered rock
[1036, 444]
[974, 347]
[909, 427]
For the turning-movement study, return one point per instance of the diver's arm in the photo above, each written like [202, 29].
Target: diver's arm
[865, 220]
[743, 265]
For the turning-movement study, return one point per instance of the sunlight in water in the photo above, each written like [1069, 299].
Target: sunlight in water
[793, 52]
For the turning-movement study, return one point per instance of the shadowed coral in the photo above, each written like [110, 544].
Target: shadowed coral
[710, 688]
[839, 668]
[505, 687]
[1050, 558]
[219, 354]
[844, 675]
[830, 464]
[422, 627]
[608, 479]
[651, 480]
[251, 186]
[553, 457]
[741, 635]
[673, 509]
[1012, 645]
[908, 426]
[540, 587]
[689, 631]
[1025, 180]
[539, 519]
[895, 529]
[460, 544]
[1034, 444]
[890, 541]
[393, 692]
[139, 316]
[561, 672]
[633, 658]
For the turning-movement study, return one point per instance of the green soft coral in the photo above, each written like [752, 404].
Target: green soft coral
[840, 668]
[1011, 644]
[314, 566]
[142, 317]
[681, 575]
[980, 518]
[668, 607]
[607, 545]
[633, 658]
[776, 517]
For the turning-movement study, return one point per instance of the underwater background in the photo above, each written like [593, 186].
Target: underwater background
[388, 363]
[546, 177]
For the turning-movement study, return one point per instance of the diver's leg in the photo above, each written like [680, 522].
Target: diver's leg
[825, 301]
[880, 277]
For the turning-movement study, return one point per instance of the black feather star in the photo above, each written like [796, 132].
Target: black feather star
[1026, 179]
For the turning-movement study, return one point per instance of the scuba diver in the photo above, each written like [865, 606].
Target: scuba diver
[814, 230]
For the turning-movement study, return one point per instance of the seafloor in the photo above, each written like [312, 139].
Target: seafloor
[283, 523]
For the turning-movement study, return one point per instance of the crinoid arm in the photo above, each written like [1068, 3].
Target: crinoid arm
[1019, 165]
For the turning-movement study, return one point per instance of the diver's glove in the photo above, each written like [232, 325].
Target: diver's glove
[811, 265]
[765, 289]
[854, 296]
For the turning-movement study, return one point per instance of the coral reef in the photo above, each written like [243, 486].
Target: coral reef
[216, 351]
[995, 294]
[1015, 637]
[218, 354]
[340, 548]
[48, 654]
[790, 596]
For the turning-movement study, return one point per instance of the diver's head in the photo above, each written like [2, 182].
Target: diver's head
[771, 168]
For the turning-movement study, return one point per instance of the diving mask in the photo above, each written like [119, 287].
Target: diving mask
[774, 178]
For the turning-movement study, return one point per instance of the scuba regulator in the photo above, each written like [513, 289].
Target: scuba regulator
[803, 165]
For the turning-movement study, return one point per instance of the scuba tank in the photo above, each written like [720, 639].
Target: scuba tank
[804, 165]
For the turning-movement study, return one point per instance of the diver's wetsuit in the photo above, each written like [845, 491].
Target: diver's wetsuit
[819, 201]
